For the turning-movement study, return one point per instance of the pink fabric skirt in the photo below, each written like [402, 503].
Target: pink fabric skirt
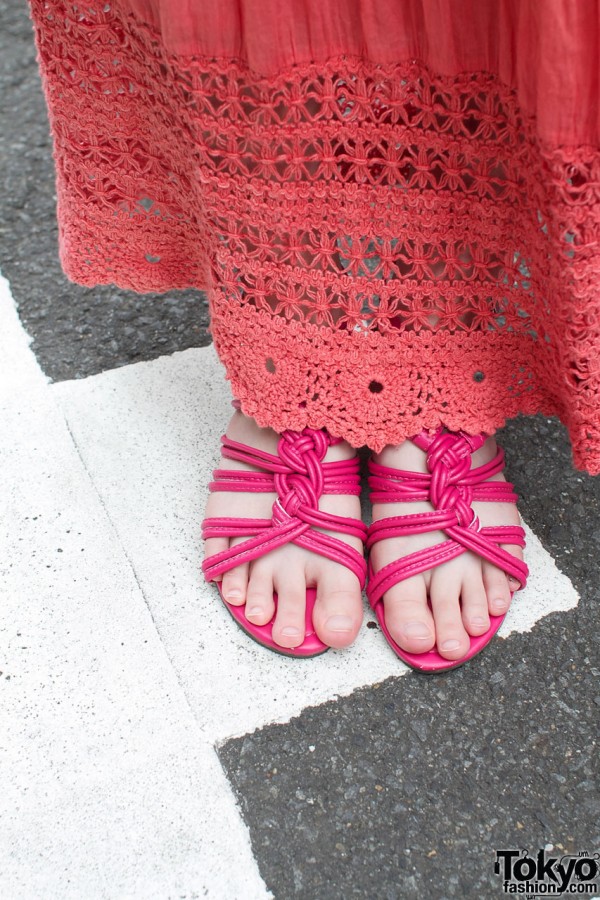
[393, 205]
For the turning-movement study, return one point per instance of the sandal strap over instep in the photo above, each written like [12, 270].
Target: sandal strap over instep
[299, 477]
[451, 486]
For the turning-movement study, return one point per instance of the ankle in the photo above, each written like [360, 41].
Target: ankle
[408, 456]
[244, 429]
[402, 456]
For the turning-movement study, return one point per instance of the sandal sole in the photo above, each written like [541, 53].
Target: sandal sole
[432, 663]
[262, 634]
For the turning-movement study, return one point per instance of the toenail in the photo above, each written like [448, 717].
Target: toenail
[339, 623]
[450, 645]
[477, 620]
[289, 631]
[254, 611]
[417, 630]
[233, 594]
[500, 604]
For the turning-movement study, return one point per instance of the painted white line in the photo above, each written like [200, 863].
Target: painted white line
[109, 787]
[124, 667]
[149, 434]
[548, 590]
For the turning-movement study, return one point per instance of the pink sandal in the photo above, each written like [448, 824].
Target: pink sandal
[451, 485]
[299, 477]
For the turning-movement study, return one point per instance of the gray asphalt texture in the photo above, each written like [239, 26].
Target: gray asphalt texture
[413, 783]
[77, 331]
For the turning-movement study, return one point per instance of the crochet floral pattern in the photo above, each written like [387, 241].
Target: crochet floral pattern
[384, 248]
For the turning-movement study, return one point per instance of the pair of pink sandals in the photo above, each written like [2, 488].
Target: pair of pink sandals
[299, 477]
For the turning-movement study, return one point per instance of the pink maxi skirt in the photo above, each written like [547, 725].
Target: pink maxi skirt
[393, 205]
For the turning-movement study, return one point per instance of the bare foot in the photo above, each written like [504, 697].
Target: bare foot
[289, 570]
[463, 591]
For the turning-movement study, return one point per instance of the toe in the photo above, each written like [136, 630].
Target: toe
[288, 628]
[474, 606]
[235, 582]
[338, 611]
[234, 585]
[497, 589]
[407, 615]
[212, 546]
[451, 638]
[260, 605]
[513, 583]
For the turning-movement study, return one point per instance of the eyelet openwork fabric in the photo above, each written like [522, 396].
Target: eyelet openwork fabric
[385, 246]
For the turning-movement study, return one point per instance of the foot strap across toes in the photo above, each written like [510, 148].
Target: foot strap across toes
[299, 477]
[451, 486]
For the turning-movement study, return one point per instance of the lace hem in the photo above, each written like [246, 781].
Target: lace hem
[354, 224]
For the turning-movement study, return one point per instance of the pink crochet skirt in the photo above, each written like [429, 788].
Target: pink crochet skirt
[393, 205]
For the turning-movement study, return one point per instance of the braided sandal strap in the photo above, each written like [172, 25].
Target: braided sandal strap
[451, 486]
[299, 477]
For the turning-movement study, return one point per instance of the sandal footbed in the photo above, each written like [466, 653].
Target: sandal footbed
[263, 634]
[431, 661]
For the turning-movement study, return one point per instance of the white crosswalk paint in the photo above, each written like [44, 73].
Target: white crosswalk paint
[109, 786]
[149, 437]
[134, 671]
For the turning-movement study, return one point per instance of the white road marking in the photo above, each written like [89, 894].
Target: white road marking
[109, 785]
[130, 747]
[149, 435]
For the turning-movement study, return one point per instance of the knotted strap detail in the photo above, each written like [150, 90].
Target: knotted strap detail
[451, 486]
[299, 477]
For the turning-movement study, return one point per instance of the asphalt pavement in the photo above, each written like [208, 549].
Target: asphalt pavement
[246, 774]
